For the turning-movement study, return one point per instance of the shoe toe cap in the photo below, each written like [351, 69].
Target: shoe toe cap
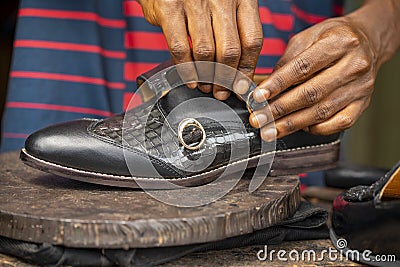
[74, 145]
[71, 145]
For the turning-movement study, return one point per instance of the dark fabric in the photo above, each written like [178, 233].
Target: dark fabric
[309, 222]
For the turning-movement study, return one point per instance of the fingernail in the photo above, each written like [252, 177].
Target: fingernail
[261, 95]
[306, 129]
[221, 95]
[242, 86]
[269, 134]
[206, 88]
[258, 120]
[191, 85]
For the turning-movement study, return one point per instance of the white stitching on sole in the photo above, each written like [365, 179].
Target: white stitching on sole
[174, 179]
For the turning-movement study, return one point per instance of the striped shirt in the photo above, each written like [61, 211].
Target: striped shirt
[75, 59]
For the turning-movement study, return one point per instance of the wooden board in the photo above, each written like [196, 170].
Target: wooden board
[39, 207]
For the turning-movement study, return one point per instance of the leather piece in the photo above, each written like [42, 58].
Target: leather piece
[147, 75]
[182, 94]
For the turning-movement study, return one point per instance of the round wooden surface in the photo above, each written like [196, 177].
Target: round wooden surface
[40, 207]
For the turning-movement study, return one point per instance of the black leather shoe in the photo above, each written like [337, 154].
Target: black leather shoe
[366, 219]
[200, 134]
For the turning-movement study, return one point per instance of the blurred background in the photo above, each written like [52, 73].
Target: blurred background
[373, 140]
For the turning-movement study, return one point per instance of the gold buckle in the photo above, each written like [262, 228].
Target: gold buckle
[190, 122]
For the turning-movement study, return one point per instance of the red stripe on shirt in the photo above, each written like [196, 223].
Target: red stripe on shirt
[133, 9]
[307, 17]
[30, 105]
[133, 69]
[262, 70]
[282, 22]
[15, 135]
[70, 47]
[145, 41]
[273, 47]
[75, 15]
[66, 78]
[338, 10]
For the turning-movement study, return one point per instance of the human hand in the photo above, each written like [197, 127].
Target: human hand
[224, 31]
[332, 67]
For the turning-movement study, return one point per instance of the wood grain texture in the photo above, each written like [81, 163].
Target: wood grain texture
[38, 207]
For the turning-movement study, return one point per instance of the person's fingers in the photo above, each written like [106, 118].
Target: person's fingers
[310, 92]
[251, 40]
[331, 83]
[301, 67]
[201, 34]
[290, 53]
[227, 43]
[261, 117]
[342, 120]
[174, 28]
[296, 45]
[315, 114]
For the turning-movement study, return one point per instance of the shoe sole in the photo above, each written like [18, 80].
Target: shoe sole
[285, 162]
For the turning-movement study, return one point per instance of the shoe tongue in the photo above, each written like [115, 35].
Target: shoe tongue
[180, 95]
[182, 102]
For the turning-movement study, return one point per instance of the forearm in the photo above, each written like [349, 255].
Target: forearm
[380, 22]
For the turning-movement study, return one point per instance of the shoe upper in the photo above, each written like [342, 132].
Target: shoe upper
[147, 138]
